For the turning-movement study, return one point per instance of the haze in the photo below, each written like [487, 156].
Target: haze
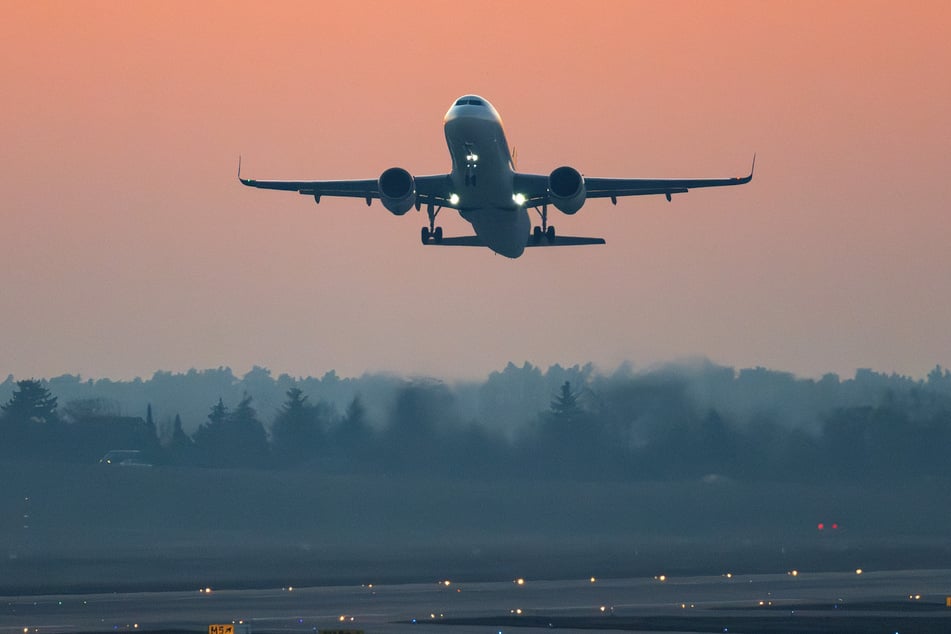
[129, 246]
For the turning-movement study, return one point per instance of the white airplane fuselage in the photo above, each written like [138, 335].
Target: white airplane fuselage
[482, 175]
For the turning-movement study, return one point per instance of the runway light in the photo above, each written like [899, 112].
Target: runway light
[793, 573]
[520, 582]
[821, 526]
[592, 579]
[446, 582]
[858, 571]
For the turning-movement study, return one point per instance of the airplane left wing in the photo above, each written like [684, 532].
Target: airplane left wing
[350, 188]
[429, 189]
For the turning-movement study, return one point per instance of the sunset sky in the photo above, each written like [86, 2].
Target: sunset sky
[128, 245]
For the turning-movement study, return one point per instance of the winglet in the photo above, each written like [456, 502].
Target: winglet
[741, 180]
[243, 181]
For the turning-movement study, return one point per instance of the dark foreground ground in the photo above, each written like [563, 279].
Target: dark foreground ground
[86, 528]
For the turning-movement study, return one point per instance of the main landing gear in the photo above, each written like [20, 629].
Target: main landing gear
[543, 231]
[435, 235]
[432, 232]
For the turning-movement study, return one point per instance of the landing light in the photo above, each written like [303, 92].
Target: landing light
[519, 199]
[453, 199]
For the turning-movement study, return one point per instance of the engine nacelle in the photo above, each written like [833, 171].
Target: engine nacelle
[566, 186]
[397, 190]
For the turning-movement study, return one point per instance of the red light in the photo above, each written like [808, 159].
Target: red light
[821, 526]
[835, 527]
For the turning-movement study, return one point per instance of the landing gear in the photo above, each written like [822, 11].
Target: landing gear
[544, 230]
[431, 232]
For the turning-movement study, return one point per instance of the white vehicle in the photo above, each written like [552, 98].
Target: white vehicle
[487, 191]
[124, 458]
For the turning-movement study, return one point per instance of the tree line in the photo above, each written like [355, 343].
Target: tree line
[701, 421]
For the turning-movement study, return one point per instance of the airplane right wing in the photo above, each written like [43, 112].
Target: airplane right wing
[535, 187]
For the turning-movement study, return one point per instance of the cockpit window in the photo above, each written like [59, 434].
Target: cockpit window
[462, 102]
[476, 102]
[470, 101]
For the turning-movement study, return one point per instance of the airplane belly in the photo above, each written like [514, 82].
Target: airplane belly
[505, 231]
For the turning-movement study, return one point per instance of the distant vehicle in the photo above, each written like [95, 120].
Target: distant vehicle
[487, 191]
[124, 458]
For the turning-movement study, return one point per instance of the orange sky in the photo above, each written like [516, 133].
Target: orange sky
[128, 246]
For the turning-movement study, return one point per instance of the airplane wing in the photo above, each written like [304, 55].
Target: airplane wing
[434, 189]
[535, 186]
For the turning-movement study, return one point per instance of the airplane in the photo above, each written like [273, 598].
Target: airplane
[486, 189]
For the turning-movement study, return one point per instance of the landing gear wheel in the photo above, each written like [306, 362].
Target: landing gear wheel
[550, 234]
[537, 234]
[437, 235]
[424, 234]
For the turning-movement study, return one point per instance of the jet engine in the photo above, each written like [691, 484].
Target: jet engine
[397, 190]
[566, 187]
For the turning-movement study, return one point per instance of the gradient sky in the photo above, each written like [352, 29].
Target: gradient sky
[128, 246]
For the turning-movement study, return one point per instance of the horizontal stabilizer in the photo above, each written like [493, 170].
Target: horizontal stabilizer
[460, 241]
[559, 241]
[564, 241]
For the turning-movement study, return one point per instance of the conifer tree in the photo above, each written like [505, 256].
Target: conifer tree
[31, 402]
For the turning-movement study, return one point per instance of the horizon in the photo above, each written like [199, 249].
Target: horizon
[628, 366]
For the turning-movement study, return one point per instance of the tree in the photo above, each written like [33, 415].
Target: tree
[181, 448]
[29, 420]
[232, 439]
[353, 437]
[208, 438]
[565, 406]
[247, 435]
[297, 431]
[31, 402]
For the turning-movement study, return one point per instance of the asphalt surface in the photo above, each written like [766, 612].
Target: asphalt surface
[873, 601]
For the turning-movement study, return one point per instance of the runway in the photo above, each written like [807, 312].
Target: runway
[888, 601]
